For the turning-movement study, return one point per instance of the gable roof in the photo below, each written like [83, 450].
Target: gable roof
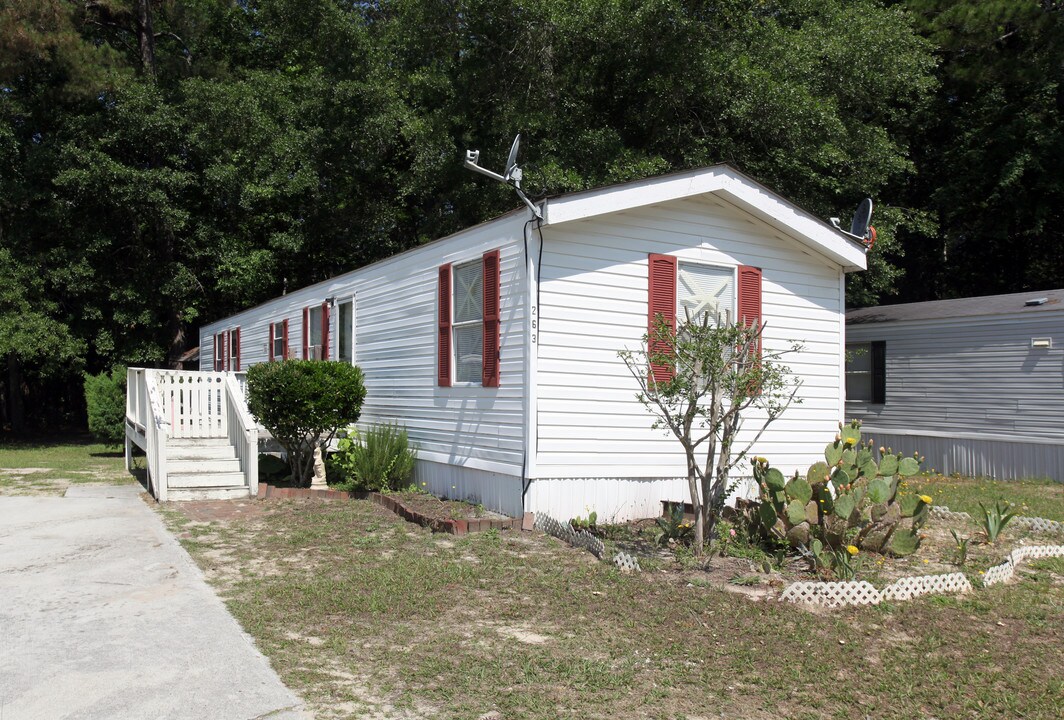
[723, 181]
[1011, 304]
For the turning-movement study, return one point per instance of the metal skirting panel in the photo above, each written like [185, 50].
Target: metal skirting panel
[612, 499]
[495, 491]
[1001, 458]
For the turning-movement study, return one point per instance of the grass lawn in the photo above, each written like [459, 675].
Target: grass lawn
[1037, 498]
[49, 466]
[369, 616]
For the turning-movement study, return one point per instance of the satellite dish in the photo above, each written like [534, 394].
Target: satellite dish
[512, 175]
[511, 161]
[861, 218]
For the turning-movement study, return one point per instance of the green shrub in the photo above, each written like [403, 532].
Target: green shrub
[303, 403]
[105, 400]
[378, 459]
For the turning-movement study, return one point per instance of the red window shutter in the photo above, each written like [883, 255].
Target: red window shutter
[443, 342]
[661, 301]
[284, 339]
[236, 350]
[750, 298]
[219, 352]
[489, 376]
[325, 331]
[273, 329]
[306, 333]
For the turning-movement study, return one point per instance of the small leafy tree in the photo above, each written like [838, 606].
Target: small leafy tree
[303, 403]
[105, 403]
[698, 381]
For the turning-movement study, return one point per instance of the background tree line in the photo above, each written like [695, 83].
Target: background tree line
[165, 162]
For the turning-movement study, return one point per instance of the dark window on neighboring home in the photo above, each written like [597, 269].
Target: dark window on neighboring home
[866, 372]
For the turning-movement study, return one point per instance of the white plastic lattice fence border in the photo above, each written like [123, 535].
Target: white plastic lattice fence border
[565, 531]
[909, 587]
[1039, 525]
[832, 594]
[1003, 572]
[1034, 524]
[941, 511]
[626, 562]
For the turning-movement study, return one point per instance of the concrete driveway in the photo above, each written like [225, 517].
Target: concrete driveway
[104, 615]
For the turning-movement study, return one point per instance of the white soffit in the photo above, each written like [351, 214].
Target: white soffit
[732, 186]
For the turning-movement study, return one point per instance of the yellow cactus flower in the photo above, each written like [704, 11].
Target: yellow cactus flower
[850, 441]
[926, 499]
[852, 549]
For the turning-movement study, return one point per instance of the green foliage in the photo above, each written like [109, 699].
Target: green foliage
[381, 458]
[706, 398]
[303, 403]
[993, 521]
[867, 507]
[150, 197]
[674, 527]
[589, 523]
[105, 402]
[961, 551]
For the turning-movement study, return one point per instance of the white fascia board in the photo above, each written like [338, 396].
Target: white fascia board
[735, 187]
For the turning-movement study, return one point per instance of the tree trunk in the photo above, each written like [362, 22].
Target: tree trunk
[146, 39]
[696, 502]
[16, 414]
[175, 331]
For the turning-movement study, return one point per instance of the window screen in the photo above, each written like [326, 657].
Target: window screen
[345, 332]
[468, 321]
[314, 320]
[704, 289]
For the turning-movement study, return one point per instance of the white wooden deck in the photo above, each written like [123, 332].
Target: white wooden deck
[195, 429]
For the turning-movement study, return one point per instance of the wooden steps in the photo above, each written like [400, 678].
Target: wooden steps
[203, 469]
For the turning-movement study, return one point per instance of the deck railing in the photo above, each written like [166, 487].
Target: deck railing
[243, 432]
[145, 419]
[163, 404]
[193, 402]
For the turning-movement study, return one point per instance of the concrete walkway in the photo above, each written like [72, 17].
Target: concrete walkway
[104, 615]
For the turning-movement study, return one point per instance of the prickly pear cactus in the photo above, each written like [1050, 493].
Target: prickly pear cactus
[849, 491]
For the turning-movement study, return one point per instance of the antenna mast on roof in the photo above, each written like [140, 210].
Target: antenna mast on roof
[512, 175]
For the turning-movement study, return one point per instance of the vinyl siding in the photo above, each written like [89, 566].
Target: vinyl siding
[395, 345]
[971, 394]
[969, 375]
[593, 304]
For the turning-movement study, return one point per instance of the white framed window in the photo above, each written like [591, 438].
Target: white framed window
[704, 289]
[314, 331]
[467, 321]
[345, 331]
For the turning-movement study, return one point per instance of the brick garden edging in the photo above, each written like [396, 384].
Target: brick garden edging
[454, 527]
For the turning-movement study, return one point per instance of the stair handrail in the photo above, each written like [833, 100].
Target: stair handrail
[156, 432]
[243, 432]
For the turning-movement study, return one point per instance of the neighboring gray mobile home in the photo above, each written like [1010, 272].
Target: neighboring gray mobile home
[975, 384]
[497, 347]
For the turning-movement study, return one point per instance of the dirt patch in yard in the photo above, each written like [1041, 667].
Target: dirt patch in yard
[371, 617]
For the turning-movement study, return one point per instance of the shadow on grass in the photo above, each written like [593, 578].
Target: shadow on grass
[43, 441]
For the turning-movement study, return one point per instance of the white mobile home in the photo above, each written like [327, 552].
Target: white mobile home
[975, 384]
[497, 347]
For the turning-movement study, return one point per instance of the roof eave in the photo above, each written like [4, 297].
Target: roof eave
[723, 180]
